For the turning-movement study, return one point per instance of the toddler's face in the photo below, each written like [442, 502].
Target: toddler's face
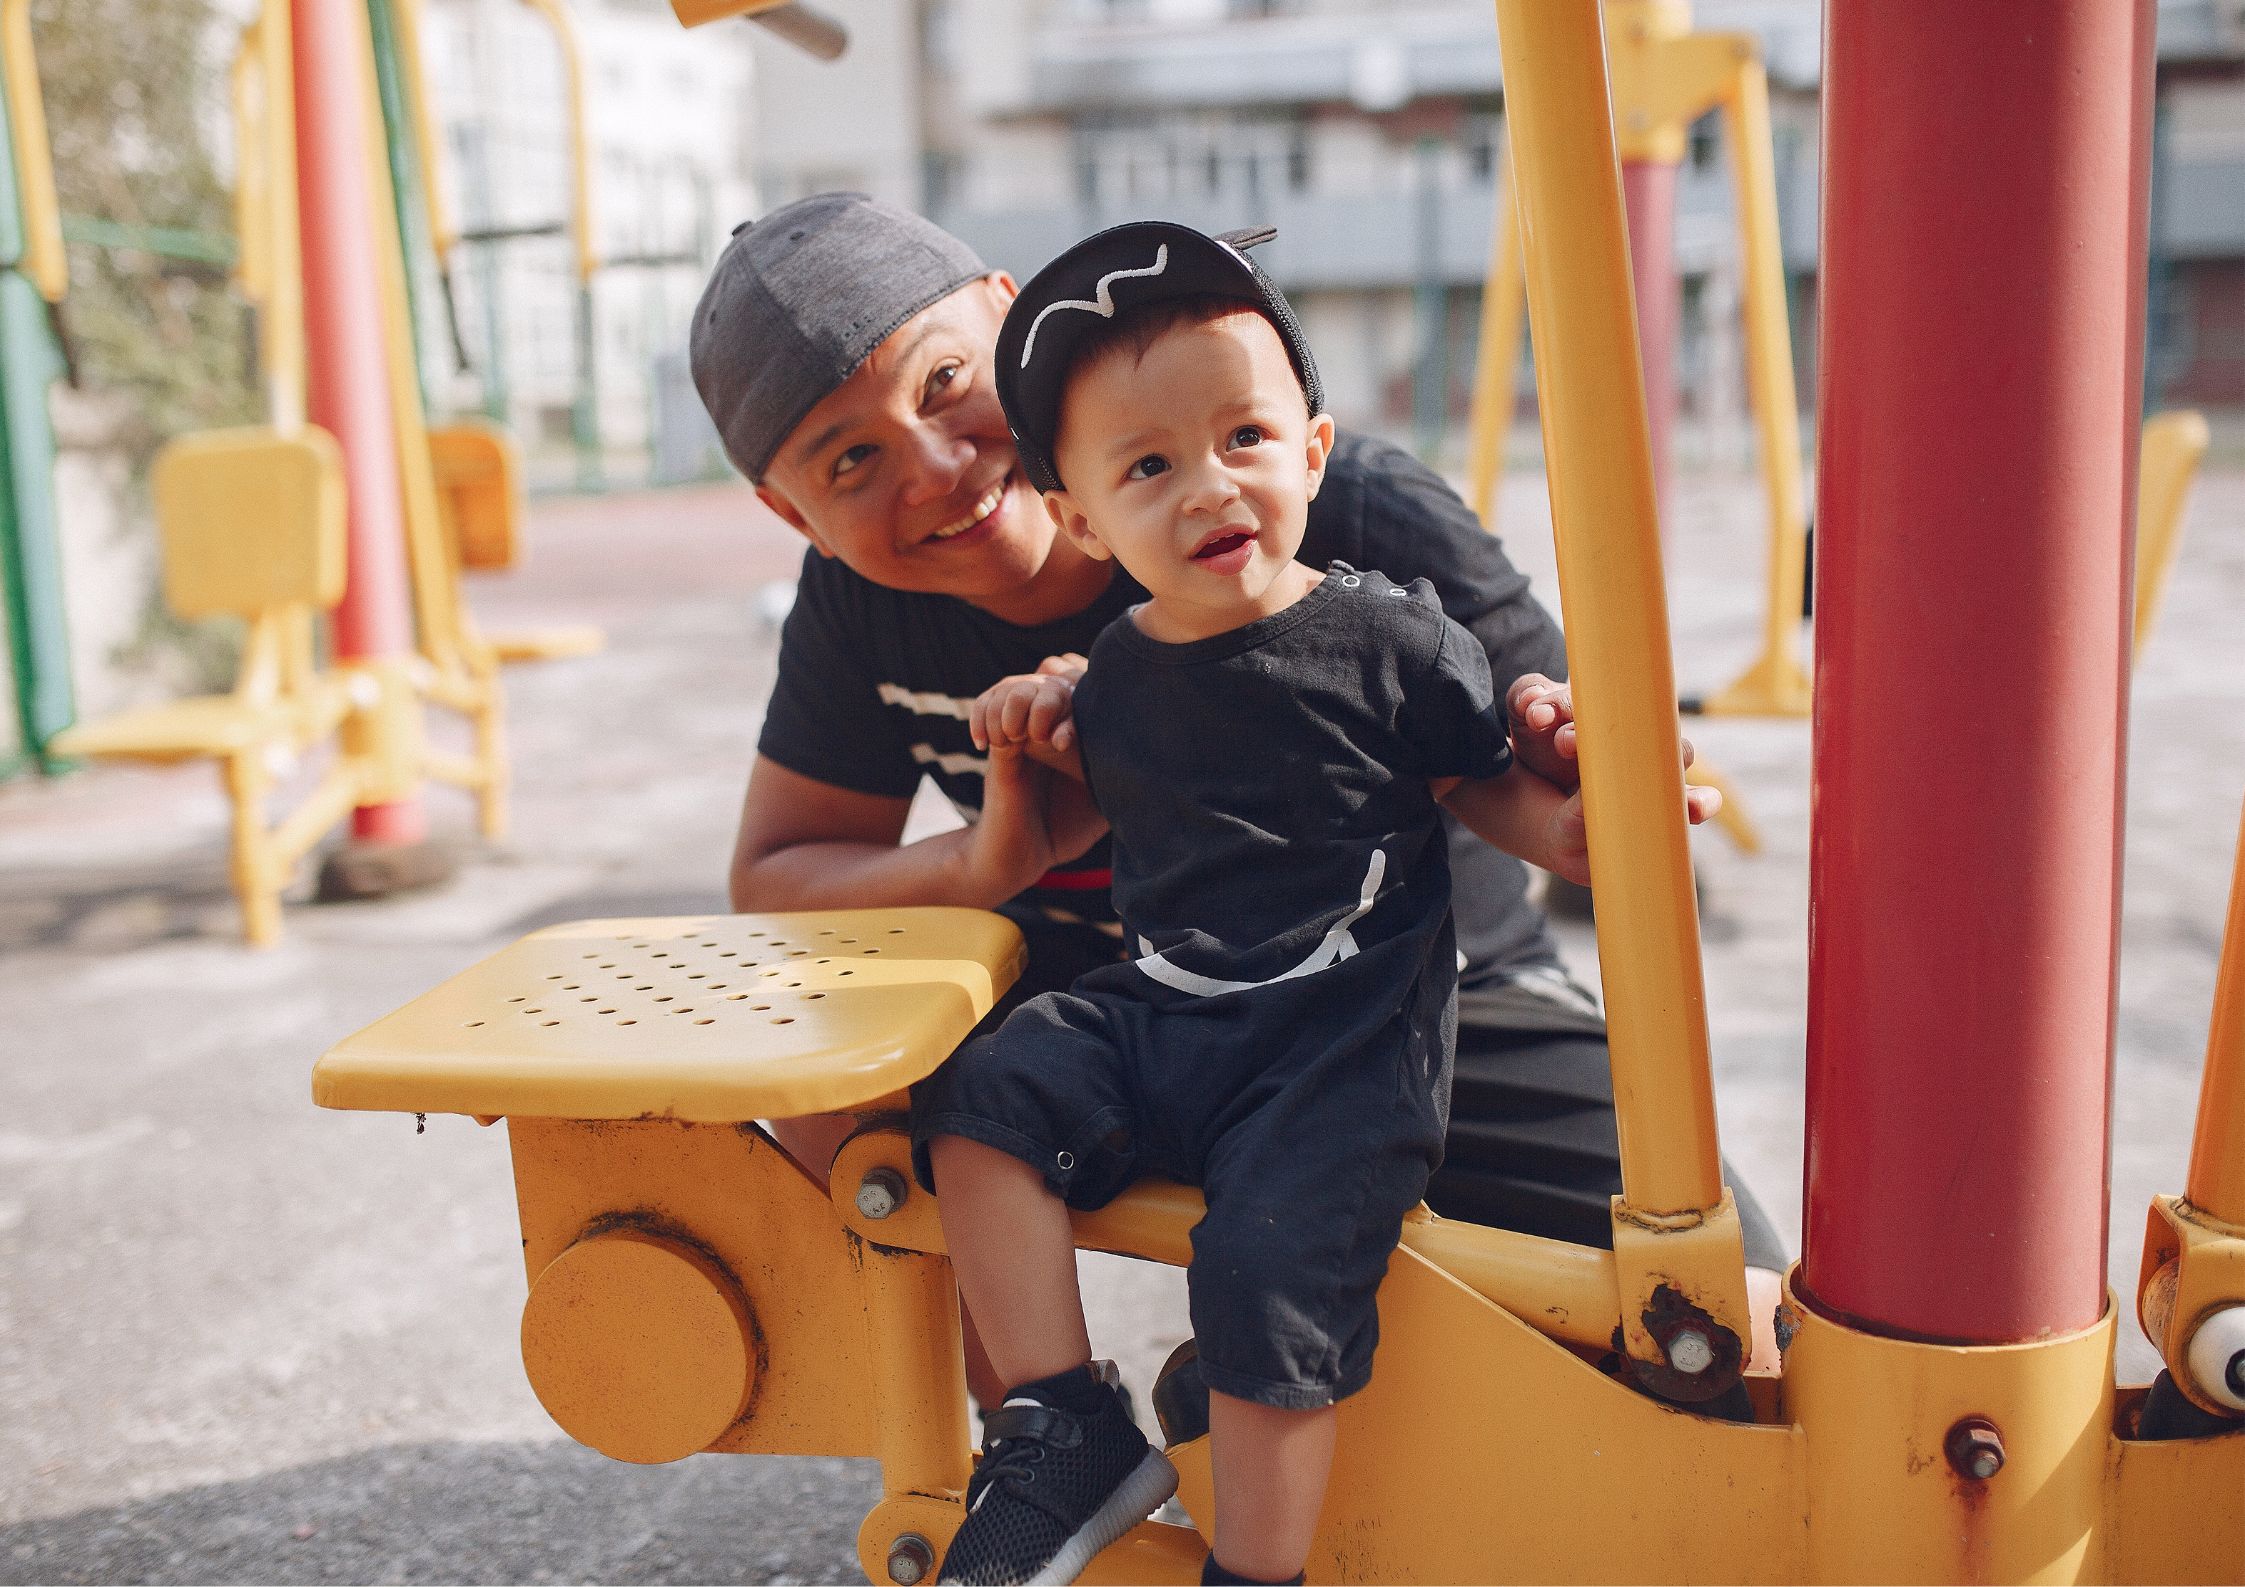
[1193, 466]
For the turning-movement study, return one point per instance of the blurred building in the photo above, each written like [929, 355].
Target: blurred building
[1366, 130]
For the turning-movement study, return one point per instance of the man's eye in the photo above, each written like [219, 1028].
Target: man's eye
[942, 376]
[852, 458]
[1248, 435]
[1147, 467]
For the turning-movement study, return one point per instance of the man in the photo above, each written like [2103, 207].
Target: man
[844, 350]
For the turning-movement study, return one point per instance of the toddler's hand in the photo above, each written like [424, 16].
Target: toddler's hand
[1028, 711]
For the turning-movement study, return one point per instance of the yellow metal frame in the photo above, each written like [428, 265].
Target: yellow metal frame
[1664, 76]
[269, 269]
[770, 1312]
[44, 261]
[691, 1289]
[2174, 444]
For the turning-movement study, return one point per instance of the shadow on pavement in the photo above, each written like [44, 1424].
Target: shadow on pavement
[495, 1512]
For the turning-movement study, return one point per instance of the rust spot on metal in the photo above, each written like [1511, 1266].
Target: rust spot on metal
[1686, 1333]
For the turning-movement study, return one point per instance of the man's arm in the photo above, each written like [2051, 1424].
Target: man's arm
[806, 844]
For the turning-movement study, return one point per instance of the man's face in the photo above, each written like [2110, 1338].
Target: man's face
[1193, 466]
[907, 472]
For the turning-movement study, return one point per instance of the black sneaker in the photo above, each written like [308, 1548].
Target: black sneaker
[1056, 1483]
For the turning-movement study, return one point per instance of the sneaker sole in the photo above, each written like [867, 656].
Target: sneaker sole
[1143, 1492]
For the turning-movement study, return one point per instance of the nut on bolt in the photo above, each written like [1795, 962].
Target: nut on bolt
[1691, 1352]
[911, 1556]
[1975, 1448]
[879, 1194]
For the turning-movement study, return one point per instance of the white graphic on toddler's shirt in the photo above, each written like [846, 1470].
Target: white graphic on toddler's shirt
[1105, 304]
[1337, 945]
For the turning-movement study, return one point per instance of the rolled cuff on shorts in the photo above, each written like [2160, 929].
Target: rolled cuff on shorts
[1285, 1396]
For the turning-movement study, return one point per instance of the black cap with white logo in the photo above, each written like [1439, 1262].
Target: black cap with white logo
[1123, 268]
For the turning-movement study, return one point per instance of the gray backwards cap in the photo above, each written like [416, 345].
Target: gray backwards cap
[797, 301]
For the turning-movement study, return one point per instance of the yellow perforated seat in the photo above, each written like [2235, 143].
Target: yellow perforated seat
[708, 1019]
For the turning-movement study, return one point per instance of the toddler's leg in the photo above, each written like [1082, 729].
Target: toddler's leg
[1015, 1254]
[1270, 1468]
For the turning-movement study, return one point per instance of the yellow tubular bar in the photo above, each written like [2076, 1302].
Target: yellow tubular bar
[580, 162]
[43, 259]
[1499, 353]
[1776, 682]
[253, 265]
[1598, 459]
[282, 309]
[2216, 1184]
[2173, 446]
[443, 235]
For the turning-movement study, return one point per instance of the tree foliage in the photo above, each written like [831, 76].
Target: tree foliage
[138, 115]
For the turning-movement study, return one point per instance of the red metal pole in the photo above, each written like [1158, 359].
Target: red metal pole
[1983, 226]
[345, 384]
[1648, 191]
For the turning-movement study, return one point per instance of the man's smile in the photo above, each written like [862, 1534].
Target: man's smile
[981, 513]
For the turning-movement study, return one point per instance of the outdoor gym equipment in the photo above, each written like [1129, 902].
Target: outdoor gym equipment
[1665, 76]
[251, 526]
[1946, 1409]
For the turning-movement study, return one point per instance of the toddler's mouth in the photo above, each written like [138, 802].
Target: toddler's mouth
[1231, 540]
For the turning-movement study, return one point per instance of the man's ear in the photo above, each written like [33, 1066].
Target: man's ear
[1003, 285]
[789, 514]
[1319, 450]
[1075, 525]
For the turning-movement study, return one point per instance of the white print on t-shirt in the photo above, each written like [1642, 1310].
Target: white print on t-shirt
[1104, 307]
[956, 765]
[1337, 945]
[924, 704]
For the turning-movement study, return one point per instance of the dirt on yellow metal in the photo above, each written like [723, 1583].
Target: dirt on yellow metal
[703, 1018]
[250, 524]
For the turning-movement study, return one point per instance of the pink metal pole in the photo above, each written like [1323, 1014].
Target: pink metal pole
[1979, 379]
[1648, 191]
[346, 387]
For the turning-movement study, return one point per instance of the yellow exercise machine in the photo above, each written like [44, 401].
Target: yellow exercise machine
[1946, 1409]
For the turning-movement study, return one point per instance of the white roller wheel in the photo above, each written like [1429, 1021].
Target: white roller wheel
[2217, 1357]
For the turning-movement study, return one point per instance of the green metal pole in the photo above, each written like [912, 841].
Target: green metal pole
[30, 541]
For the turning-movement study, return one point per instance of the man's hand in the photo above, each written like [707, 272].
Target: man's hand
[1033, 818]
[1567, 837]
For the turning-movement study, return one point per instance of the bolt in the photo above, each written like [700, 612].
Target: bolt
[1691, 1352]
[911, 1556]
[879, 1194]
[1975, 1448]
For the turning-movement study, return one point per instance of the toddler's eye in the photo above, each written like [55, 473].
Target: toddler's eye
[1248, 435]
[1147, 467]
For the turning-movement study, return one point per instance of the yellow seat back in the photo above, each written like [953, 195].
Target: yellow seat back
[2174, 443]
[479, 493]
[251, 521]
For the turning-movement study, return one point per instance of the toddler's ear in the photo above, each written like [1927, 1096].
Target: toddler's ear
[1075, 526]
[1319, 449]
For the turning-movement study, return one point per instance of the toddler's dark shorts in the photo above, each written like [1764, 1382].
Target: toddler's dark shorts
[1309, 1137]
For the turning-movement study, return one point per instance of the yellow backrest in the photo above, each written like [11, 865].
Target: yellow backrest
[250, 521]
[2173, 444]
[479, 493]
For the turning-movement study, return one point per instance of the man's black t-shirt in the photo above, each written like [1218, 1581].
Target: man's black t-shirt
[875, 684]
